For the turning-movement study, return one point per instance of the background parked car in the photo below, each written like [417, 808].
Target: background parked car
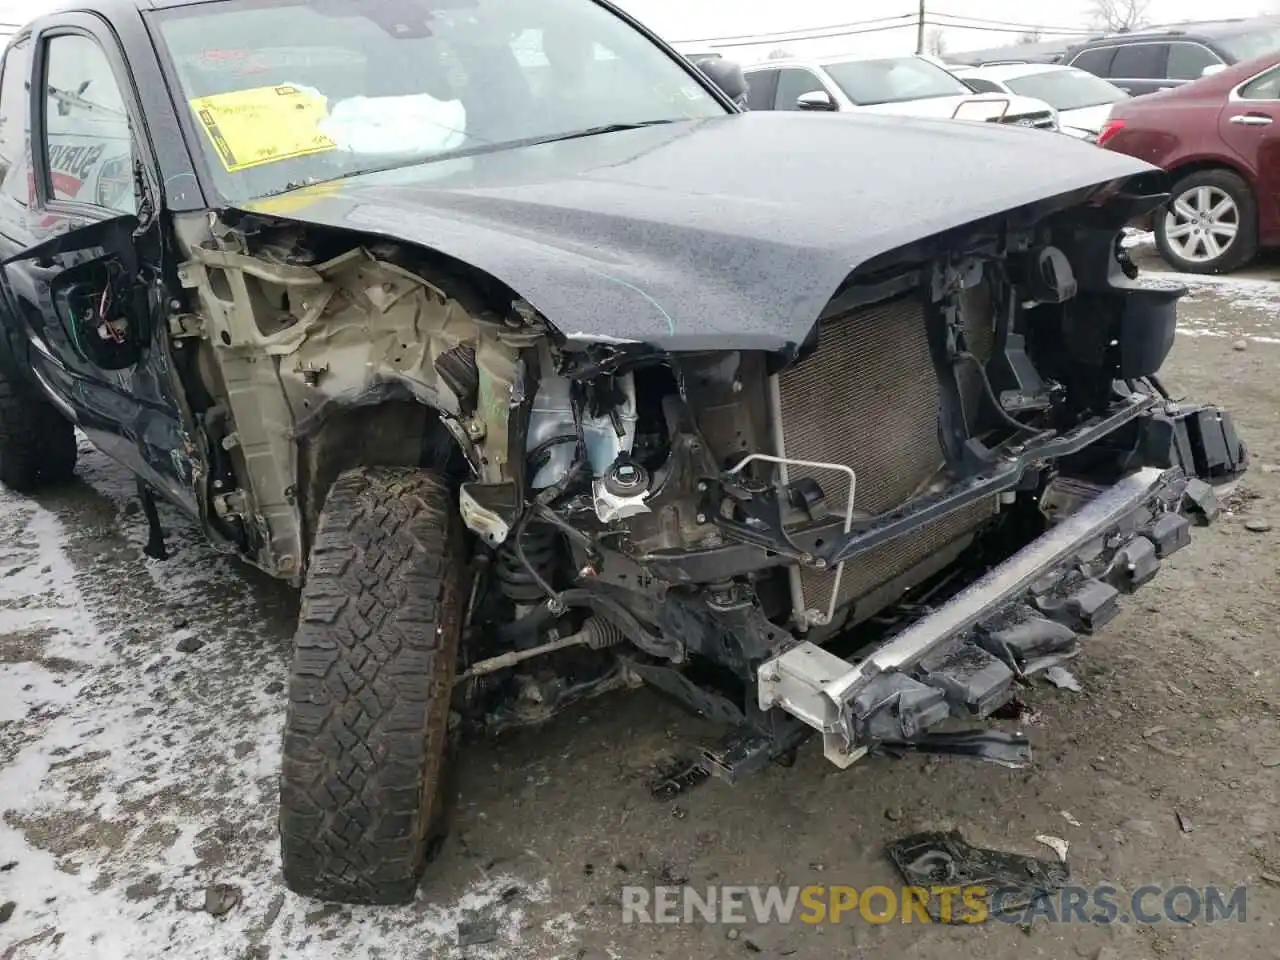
[1164, 57]
[1044, 51]
[1083, 101]
[909, 85]
[1219, 137]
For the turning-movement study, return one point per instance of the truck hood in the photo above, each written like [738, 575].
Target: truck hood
[728, 233]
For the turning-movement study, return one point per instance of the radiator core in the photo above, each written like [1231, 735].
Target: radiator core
[868, 398]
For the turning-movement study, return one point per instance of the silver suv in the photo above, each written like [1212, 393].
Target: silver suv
[907, 85]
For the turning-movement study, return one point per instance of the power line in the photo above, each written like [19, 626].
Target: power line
[816, 36]
[1044, 32]
[878, 24]
[914, 22]
[1013, 26]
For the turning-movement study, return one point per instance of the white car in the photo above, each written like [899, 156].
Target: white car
[1083, 101]
[913, 86]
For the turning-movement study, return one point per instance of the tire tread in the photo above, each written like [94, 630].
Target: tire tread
[37, 444]
[374, 657]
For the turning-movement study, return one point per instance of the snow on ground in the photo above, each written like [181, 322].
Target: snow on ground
[1240, 308]
[135, 776]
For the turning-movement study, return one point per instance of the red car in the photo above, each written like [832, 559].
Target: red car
[1219, 138]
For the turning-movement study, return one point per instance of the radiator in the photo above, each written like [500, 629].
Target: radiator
[868, 398]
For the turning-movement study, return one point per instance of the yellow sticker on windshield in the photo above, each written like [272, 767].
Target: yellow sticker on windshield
[263, 125]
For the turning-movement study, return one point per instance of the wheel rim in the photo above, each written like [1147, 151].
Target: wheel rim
[1202, 224]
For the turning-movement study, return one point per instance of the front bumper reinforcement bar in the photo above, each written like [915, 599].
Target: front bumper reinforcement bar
[962, 659]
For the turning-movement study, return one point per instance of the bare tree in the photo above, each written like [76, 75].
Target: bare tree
[1117, 16]
[778, 53]
[1030, 36]
[935, 42]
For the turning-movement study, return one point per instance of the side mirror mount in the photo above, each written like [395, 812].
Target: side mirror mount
[110, 343]
[816, 100]
[1212, 69]
[727, 75]
[102, 278]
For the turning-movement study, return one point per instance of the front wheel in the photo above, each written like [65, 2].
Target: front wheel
[362, 795]
[37, 443]
[1210, 225]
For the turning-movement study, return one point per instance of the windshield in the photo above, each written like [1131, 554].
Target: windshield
[285, 94]
[1246, 46]
[893, 80]
[1067, 89]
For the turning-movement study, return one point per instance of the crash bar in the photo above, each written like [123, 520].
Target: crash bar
[815, 685]
[1007, 580]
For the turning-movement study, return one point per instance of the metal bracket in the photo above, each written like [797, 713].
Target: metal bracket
[801, 611]
[186, 325]
[796, 681]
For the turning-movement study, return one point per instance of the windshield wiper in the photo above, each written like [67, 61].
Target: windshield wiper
[477, 150]
[594, 131]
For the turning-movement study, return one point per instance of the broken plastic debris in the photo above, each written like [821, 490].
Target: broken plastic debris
[1056, 844]
[933, 860]
[1032, 667]
[676, 777]
[1011, 750]
[1063, 679]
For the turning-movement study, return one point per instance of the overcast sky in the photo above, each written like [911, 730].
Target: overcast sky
[698, 19]
[680, 20]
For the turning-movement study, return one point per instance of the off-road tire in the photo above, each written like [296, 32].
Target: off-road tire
[37, 443]
[1245, 246]
[364, 782]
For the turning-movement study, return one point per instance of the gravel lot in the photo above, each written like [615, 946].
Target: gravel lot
[140, 708]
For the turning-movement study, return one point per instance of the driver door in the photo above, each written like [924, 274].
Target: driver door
[83, 261]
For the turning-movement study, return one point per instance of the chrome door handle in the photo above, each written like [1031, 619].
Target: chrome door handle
[1251, 119]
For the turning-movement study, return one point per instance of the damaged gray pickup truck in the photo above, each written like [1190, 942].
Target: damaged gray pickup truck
[542, 369]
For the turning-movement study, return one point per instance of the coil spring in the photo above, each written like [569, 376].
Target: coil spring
[514, 579]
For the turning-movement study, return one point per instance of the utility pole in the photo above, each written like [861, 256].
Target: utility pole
[920, 29]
